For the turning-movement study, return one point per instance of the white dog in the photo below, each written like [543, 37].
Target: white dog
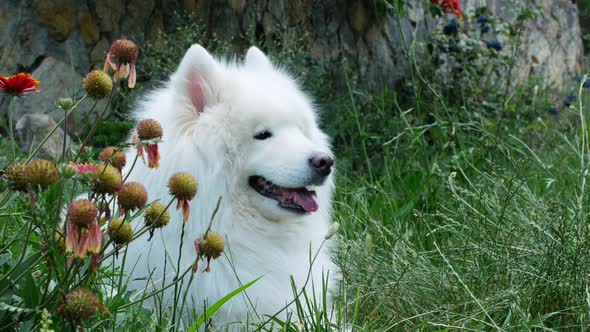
[248, 134]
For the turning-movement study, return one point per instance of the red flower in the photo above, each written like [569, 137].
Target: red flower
[18, 84]
[450, 6]
[82, 168]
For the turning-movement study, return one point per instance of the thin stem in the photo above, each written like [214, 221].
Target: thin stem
[176, 293]
[94, 126]
[31, 155]
[10, 126]
[63, 150]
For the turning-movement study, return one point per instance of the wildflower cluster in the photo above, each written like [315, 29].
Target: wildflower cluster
[82, 210]
[468, 47]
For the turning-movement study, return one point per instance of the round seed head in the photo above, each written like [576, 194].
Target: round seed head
[15, 176]
[120, 231]
[182, 186]
[211, 245]
[82, 212]
[117, 158]
[97, 84]
[153, 212]
[41, 172]
[124, 51]
[80, 304]
[132, 195]
[149, 129]
[106, 179]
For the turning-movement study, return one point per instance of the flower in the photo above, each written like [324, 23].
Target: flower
[183, 187]
[132, 195]
[83, 234]
[156, 215]
[82, 168]
[449, 6]
[116, 158]
[485, 29]
[106, 178]
[482, 19]
[81, 212]
[451, 27]
[18, 84]
[97, 84]
[121, 58]
[569, 100]
[65, 103]
[148, 132]
[41, 172]
[210, 245]
[553, 110]
[80, 304]
[120, 231]
[494, 44]
[15, 176]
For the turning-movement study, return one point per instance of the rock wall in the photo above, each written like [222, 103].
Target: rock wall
[63, 39]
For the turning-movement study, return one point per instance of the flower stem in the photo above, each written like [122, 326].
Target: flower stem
[11, 127]
[176, 291]
[94, 126]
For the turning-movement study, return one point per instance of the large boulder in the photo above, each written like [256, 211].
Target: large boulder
[33, 128]
[58, 80]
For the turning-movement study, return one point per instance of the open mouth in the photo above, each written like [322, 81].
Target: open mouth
[294, 199]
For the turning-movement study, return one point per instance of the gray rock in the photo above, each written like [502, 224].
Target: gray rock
[31, 129]
[109, 14]
[58, 80]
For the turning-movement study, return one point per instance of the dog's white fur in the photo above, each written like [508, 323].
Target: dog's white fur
[210, 110]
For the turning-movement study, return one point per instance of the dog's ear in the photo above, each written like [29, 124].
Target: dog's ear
[255, 58]
[197, 76]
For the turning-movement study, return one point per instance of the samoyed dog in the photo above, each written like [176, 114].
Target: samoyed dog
[248, 134]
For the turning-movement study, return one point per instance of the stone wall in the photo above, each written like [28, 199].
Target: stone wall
[60, 40]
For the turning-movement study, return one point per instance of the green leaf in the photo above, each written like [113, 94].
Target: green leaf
[212, 309]
[30, 292]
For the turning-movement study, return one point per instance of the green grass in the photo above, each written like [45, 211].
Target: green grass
[464, 222]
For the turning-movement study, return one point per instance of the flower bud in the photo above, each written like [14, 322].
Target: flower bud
[15, 176]
[183, 186]
[124, 51]
[120, 231]
[132, 195]
[82, 212]
[80, 304]
[153, 212]
[149, 129]
[116, 158]
[41, 172]
[106, 179]
[97, 84]
[211, 245]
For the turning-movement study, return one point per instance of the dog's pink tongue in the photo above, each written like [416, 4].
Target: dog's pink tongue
[307, 201]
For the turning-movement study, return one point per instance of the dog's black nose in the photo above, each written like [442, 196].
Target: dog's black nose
[321, 163]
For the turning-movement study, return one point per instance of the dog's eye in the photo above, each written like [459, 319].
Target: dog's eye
[263, 135]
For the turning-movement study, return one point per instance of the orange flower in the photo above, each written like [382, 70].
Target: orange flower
[83, 235]
[18, 84]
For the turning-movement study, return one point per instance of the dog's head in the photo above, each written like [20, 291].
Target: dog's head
[255, 119]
